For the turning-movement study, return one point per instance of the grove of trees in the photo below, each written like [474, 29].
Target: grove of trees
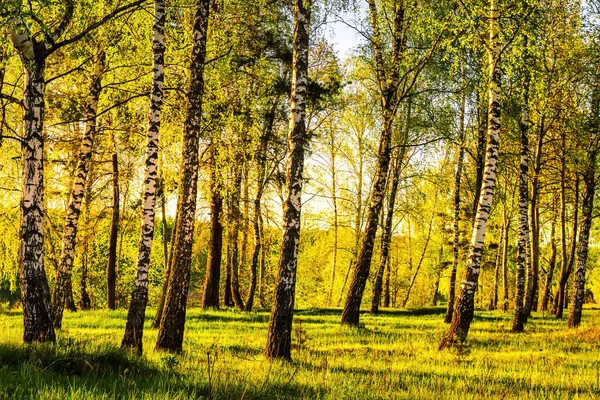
[159, 155]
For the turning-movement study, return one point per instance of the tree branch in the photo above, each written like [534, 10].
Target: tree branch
[114, 14]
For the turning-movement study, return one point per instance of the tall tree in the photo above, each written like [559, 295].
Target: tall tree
[587, 205]
[69, 240]
[134, 329]
[279, 339]
[465, 302]
[170, 333]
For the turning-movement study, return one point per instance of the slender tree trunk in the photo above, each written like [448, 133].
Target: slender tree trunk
[551, 264]
[534, 263]
[386, 286]
[134, 328]
[172, 323]
[166, 274]
[414, 278]
[587, 209]
[280, 323]
[464, 308]
[334, 199]
[520, 316]
[211, 298]
[234, 230]
[566, 262]
[494, 299]
[261, 162]
[263, 257]
[456, 217]
[111, 267]
[389, 97]
[505, 261]
[386, 236]
[69, 240]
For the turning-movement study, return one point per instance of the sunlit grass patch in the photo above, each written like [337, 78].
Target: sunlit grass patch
[392, 356]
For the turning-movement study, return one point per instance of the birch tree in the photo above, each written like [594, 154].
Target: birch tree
[69, 240]
[170, 332]
[465, 302]
[279, 339]
[134, 328]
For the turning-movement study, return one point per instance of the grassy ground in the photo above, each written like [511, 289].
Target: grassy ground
[394, 356]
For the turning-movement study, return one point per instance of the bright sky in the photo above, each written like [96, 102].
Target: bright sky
[343, 37]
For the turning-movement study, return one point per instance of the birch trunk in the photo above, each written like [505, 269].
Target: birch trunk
[172, 323]
[587, 209]
[534, 264]
[280, 323]
[134, 329]
[166, 275]
[520, 316]
[464, 308]
[69, 240]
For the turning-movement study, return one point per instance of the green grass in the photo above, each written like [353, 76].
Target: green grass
[394, 356]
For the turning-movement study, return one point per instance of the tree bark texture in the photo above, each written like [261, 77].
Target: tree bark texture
[389, 90]
[279, 336]
[464, 308]
[134, 328]
[172, 323]
[69, 240]
[211, 298]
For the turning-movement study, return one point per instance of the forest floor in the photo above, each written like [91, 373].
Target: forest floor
[393, 356]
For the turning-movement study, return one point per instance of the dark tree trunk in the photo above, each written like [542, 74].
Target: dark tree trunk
[414, 278]
[389, 91]
[566, 263]
[211, 298]
[235, 217]
[167, 271]
[386, 236]
[456, 216]
[551, 263]
[280, 323]
[494, 298]
[505, 262]
[111, 267]
[134, 328]
[261, 162]
[587, 210]
[534, 263]
[172, 323]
